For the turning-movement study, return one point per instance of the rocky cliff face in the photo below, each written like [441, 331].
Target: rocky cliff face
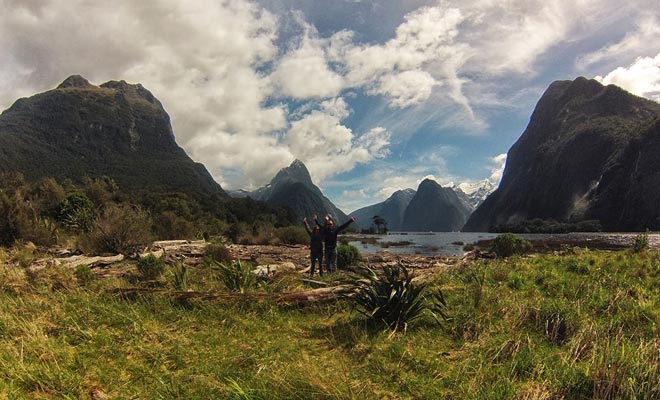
[117, 130]
[589, 152]
[293, 187]
[435, 208]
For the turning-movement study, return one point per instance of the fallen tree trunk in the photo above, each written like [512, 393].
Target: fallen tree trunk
[74, 262]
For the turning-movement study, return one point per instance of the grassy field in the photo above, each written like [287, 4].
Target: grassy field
[577, 325]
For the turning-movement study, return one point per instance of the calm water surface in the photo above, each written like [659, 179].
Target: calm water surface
[452, 243]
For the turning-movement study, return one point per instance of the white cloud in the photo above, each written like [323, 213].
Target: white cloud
[643, 40]
[355, 194]
[304, 73]
[327, 147]
[641, 78]
[510, 36]
[419, 40]
[199, 58]
[496, 168]
[406, 88]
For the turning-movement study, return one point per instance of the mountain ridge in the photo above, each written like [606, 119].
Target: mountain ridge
[293, 187]
[579, 140]
[118, 130]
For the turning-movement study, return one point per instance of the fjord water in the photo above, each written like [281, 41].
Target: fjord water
[423, 243]
[453, 243]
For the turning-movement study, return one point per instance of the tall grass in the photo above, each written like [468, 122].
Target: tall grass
[577, 325]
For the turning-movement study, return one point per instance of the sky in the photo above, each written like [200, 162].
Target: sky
[373, 96]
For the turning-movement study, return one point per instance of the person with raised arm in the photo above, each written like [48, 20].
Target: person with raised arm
[315, 247]
[330, 232]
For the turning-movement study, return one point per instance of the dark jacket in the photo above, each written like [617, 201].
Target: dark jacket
[330, 233]
[315, 239]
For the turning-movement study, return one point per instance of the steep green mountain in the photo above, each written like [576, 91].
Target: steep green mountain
[435, 208]
[118, 130]
[293, 187]
[392, 210]
[590, 152]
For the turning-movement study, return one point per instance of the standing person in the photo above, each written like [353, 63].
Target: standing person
[330, 232]
[315, 247]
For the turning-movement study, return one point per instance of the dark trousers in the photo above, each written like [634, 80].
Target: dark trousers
[331, 259]
[316, 256]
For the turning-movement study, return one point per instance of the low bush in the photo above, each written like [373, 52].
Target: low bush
[170, 226]
[292, 235]
[150, 267]
[10, 220]
[347, 255]
[508, 244]
[84, 274]
[121, 229]
[640, 243]
[218, 252]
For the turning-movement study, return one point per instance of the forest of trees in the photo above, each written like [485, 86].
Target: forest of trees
[96, 216]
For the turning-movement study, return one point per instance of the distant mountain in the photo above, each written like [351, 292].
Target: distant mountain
[392, 210]
[590, 152]
[238, 194]
[293, 187]
[434, 208]
[474, 193]
[118, 130]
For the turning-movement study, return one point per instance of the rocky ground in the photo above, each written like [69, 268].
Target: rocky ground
[299, 256]
[296, 257]
[268, 259]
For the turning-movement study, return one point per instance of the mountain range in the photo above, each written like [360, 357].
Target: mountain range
[391, 210]
[430, 208]
[590, 153]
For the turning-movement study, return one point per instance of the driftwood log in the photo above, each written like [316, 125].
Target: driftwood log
[187, 251]
[74, 262]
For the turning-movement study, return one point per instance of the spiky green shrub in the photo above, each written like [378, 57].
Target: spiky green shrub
[389, 298]
[640, 243]
[150, 267]
[77, 213]
[181, 277]
[347, 255]
[237, 276]
[473, 277]
[508, 244]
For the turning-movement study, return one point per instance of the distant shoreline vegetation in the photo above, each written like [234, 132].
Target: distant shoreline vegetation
[98, 216]
[538, 225]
